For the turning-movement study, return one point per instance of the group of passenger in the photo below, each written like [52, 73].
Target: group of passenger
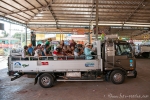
[45, 49]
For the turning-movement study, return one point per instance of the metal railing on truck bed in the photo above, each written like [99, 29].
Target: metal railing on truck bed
[30, 58]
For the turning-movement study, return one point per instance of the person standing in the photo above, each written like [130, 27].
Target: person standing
[48, 42]
[33, 39]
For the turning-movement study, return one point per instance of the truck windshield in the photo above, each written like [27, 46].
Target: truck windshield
[123, 49]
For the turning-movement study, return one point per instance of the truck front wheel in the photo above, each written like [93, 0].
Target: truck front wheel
[46, 80]
[117, 77]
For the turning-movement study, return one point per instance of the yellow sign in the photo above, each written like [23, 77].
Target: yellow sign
[60, 37]
[40, 36]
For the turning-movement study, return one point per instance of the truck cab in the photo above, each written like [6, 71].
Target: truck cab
[118, 56]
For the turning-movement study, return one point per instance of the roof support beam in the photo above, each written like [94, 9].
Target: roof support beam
[46, 1]
[39, 2]
[100, 12]
[22, 5]
[101, 7]
[31, 5]
[61, 12]
[93, 2]
[39, 12]
[12, 11]
[23, 11]
[54, 16]
[13, 7]
[100, 3]
[18, 18]
[11, 20]
[133, 13]
[92, 8]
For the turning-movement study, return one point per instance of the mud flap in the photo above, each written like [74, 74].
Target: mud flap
[36, 78]
[135, 74]
[107, 76]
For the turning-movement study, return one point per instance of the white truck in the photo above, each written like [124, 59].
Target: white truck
[143, 50]
[114, 61]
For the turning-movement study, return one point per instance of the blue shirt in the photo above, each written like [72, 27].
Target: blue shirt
[30, 50]
[87, 52]
[43, 53]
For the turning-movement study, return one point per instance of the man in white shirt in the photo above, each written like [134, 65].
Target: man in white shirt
[24, 53]
[38, 52]
[43, 42]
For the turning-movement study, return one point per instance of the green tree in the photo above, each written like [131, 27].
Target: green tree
[4, 33]
[18, 36]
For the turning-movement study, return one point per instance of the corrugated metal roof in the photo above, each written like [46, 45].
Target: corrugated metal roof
[76, 12]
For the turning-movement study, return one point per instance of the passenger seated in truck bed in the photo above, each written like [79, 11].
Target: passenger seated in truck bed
[56, 53]
[78, 52]
[25, 53]
[30, 50]
[47, 50]
[88, 52]
[69, 51]
[38, 52]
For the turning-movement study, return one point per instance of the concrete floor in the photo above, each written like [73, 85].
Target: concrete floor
[23, 88]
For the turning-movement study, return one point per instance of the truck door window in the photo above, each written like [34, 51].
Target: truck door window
[118, 52]
[123, 49]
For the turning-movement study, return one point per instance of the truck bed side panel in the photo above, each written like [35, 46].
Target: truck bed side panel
[58, 65]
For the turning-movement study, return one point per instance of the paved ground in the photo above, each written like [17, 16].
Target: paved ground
[23, 88]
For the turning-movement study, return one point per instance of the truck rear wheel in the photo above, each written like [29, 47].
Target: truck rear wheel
[117, 77]
[46, 80]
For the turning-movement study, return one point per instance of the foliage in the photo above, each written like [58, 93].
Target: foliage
[4, 33]
[18, 36]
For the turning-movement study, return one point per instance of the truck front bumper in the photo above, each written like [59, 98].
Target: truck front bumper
[132, 73]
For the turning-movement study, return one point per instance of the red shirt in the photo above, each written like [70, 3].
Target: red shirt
[55, 52]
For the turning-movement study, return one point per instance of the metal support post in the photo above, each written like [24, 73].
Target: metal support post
[26, 35]
[96, 19]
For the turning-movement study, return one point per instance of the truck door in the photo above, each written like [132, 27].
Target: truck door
[109, 56]
[118, 55]
[124, 56]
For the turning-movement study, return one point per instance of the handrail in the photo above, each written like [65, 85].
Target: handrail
[47, 57]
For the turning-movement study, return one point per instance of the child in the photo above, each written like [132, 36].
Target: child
[55, 53]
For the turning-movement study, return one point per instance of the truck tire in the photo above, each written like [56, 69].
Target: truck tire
[46, 80]
[145, 54]
[117, 77]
